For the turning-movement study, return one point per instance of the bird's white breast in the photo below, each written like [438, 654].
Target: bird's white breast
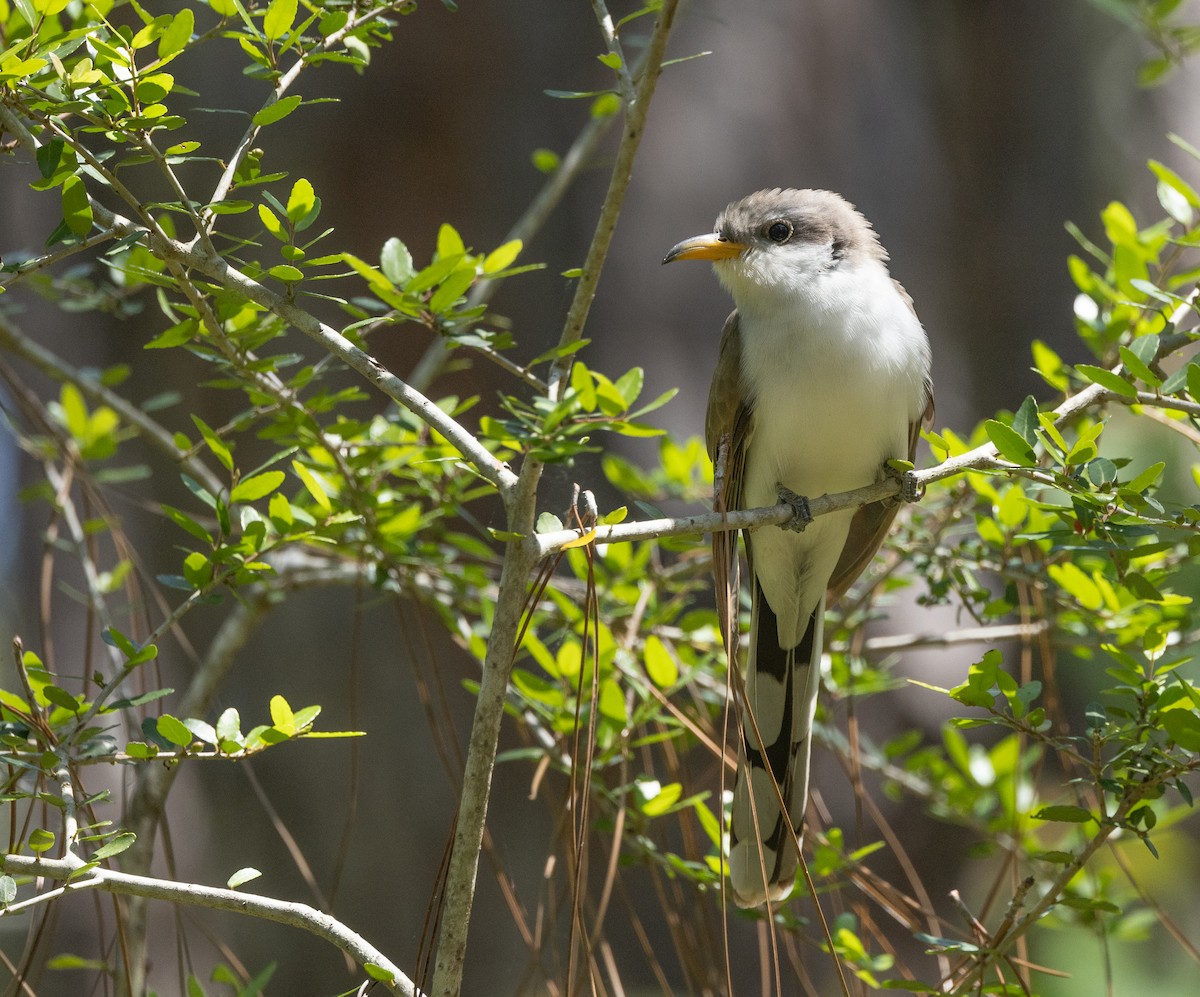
[836, 372]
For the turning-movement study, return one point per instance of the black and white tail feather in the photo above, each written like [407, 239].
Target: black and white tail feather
[773, 762]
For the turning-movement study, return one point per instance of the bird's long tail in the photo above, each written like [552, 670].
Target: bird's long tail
[781, 698]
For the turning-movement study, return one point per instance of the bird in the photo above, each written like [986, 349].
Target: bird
[822, 377]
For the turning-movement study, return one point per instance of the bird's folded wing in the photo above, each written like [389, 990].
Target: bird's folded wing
[870, 524]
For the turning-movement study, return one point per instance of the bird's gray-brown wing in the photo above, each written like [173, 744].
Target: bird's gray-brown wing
[728, 413]
[731, 419]
[871, 523]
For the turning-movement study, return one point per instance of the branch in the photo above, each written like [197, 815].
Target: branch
[19, 271]
[982, 458]
[216, 268]
[952, 638]
[296, 915]
[519, 560]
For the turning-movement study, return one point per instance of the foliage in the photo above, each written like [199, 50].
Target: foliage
[326, 469]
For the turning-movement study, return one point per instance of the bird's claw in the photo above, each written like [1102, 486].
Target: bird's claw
[801, 514]
[912, 489]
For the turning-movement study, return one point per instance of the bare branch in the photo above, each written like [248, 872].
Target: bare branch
[295, 915]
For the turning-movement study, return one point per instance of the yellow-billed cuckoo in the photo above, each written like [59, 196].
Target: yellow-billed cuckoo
[822, 377]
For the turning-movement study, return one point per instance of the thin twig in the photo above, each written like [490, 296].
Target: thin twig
[606, 224]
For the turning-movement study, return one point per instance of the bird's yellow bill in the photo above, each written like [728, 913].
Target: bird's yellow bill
[704, 247]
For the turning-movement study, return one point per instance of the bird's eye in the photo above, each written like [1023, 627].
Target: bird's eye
[778, 231]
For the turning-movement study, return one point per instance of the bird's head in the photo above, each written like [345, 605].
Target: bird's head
[779, 241]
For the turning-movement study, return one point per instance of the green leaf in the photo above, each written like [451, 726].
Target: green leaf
[177, 34]
[214, 442]
[1138, 368]
[177, 335]
[1107, 379]
[256, 487]
[173, 730]
[280, 510]
[584, 386]
[1154, 71]
[40, 840]
[663, 800]
[272, 223]
[606, 105]
[499, 259]
[301, 200]
[1048, 363]
[197, 569]
[229, 724]
[660, 665]
[279, 17]
[612, 701]
[49, 155]
[114, 638]
[277, 111]
[241, 877]
[1009, 443]
[286, 272]
[77, 209]
[1147, 478]
[396, 262]
[1064, 814]
[147, 653]
[282, 717]
[314, 486]
[305, 716]
[449, 242]
[629, 385]
[537, 689]
[185, 522]
[376, 281]
[74, 410]
[1183, 727]
[1025, 421]
[403, 524]
[1077, 583]
[451, 289]
[60, 698]
[230, 207]
[113, 847]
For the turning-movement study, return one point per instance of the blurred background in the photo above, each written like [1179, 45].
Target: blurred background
[968, 133]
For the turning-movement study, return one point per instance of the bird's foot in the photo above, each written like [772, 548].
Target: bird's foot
[911, 487]
[801, 514]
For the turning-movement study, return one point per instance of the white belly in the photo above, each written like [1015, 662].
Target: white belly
[833, 399]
